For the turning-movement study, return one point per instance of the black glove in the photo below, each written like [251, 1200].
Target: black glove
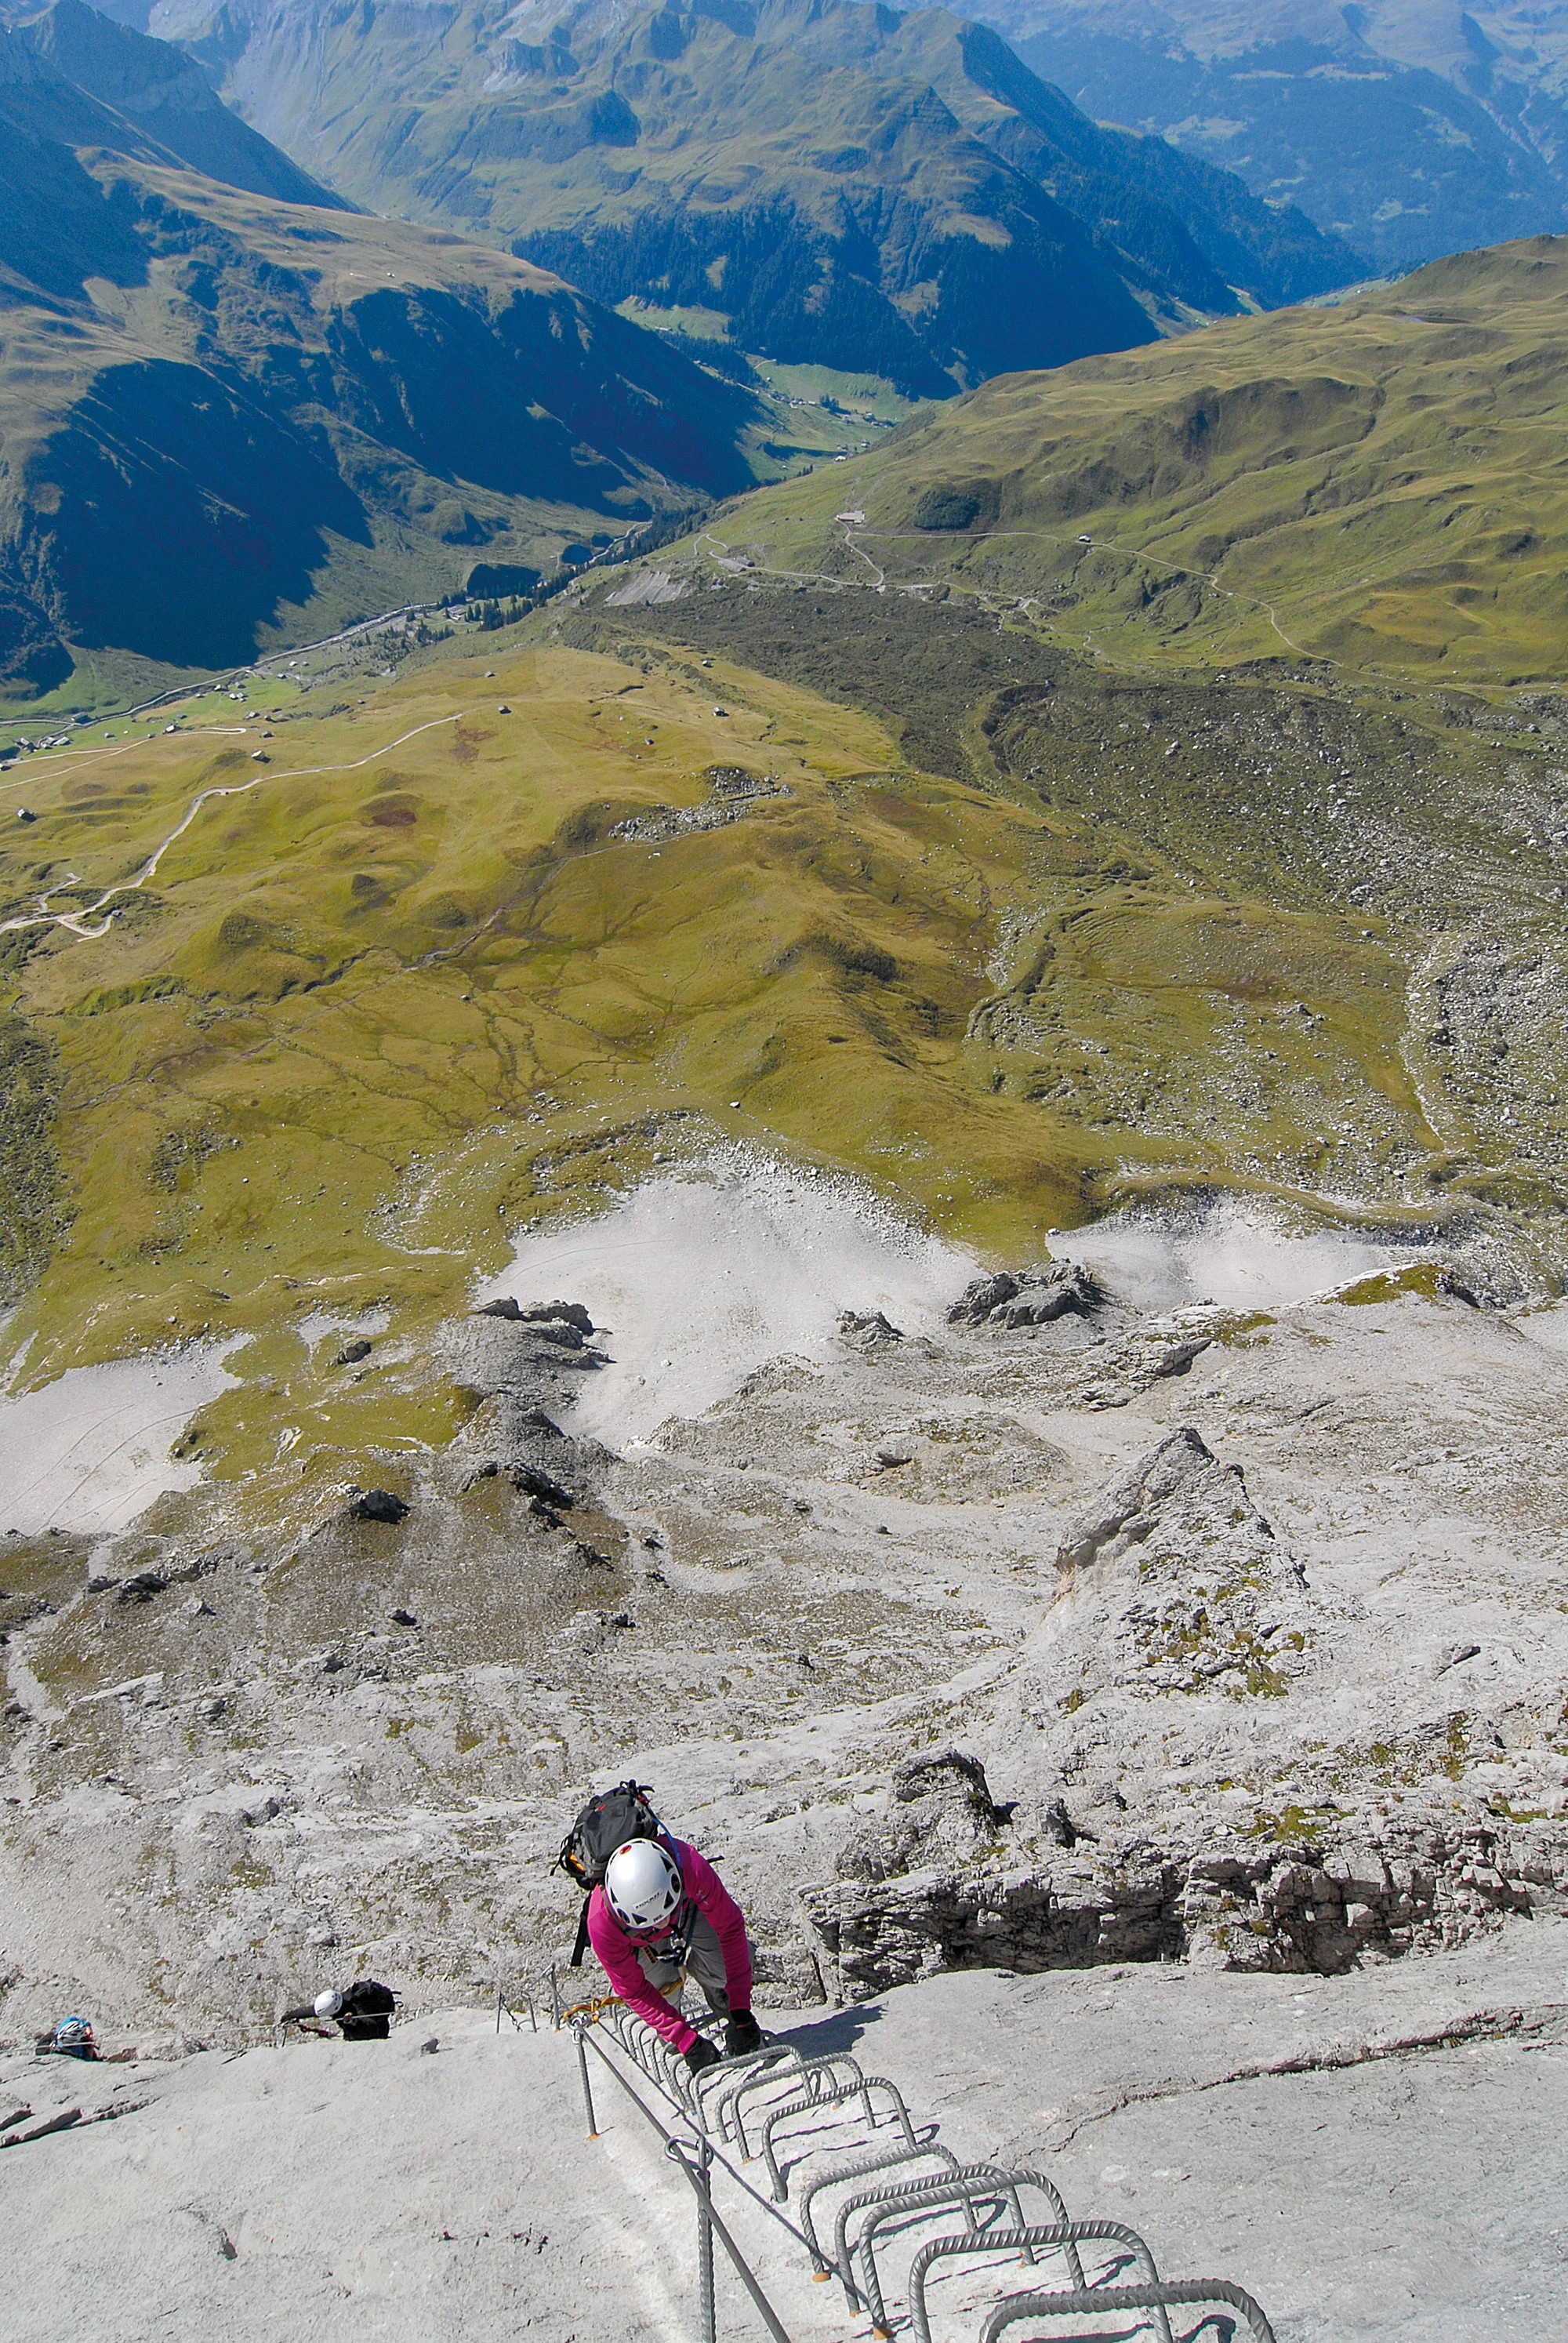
[701, 2055]
[741, 2034]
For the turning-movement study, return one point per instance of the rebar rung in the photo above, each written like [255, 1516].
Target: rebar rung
[972, 2186]
[1168, 2294]
[812, 2072]
[867, 2084]
[1060, 2235]
[860, 2170]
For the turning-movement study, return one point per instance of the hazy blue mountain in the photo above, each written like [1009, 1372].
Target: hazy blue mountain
[164, 95]
[1409, 127]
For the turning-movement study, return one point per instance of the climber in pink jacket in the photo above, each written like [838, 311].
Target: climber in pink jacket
[663, 1913]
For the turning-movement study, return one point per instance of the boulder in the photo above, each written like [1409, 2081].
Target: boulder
[866, 1329]
[141, 1587]
[376, 1505]
[1160, 1348]
[567, 1313]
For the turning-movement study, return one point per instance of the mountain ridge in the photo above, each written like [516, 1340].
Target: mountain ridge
[811, 170]
[1375, 486]
[166, 96]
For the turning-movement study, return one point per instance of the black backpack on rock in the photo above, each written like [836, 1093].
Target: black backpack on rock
[365, 2015]
[611, 1820]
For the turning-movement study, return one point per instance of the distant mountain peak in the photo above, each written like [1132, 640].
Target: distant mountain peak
[1411, 130]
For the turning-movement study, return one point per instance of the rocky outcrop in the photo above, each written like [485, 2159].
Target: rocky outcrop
[506, 1439]
[526, 1368]
[543, 1314]
[376, 1505]
[1126, 1511]
[943, 1813]
[1033, 1297]
[993, 1917]
[1212, 1594]
[1299, 1911]
[1175, 1593]
[1160, 1348]
[1314, 1909]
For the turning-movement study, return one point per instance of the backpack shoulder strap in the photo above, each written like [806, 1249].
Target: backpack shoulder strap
[580, 1947]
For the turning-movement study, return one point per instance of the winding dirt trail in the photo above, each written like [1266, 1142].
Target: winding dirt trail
[72, 921]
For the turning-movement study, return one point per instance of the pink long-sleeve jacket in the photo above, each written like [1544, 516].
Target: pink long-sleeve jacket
[617, 1953]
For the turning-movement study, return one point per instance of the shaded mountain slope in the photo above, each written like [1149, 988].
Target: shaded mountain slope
[841, 185]
[159, 90]
[1380, 485]
[1413, 132]
[215, 410]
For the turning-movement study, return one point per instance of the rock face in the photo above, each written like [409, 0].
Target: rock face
[1067, 1702]
[1174, 1588]
[1172, 1582]
[995, 1917]
[1307, 1912]
[935, 1886]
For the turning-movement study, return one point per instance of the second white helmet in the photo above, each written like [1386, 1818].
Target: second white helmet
[642, 1886]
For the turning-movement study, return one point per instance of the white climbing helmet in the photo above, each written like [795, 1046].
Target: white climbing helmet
[328, 2004]
[643, 1887]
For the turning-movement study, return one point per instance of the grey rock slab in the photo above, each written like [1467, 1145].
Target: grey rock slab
[1373, 2155]
[331, 2188]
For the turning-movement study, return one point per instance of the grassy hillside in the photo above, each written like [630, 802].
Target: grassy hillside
[427, 960]
[227, 422]
[470, 950]
[846, 187]
[1379, 488]
[314, 1010]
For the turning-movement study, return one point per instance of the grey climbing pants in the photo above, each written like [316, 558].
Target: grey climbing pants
[703, 1964]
